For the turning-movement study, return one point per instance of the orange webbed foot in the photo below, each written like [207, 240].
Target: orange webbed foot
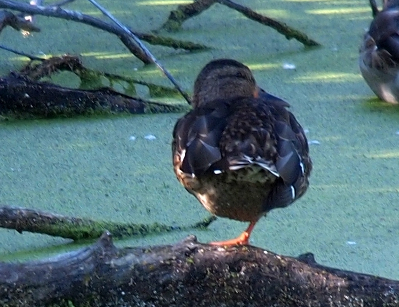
[242, 239]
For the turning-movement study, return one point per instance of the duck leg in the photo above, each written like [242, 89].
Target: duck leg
[242, 239]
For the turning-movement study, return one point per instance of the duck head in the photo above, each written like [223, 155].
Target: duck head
[223, 79]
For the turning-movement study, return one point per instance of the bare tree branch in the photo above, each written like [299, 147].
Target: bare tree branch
[143, 48]
[16, 22]
[282, 28]
[58, 12]
[22, 219]
[186, 11]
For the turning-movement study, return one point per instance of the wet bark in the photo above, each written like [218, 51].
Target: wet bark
[187, 274]
[23, 95]
[8, 18]
[23, 219]
[280, 27]
[22, 98]
[186, 11]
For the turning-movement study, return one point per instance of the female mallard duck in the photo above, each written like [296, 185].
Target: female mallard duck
[240, 152]
[379, 52]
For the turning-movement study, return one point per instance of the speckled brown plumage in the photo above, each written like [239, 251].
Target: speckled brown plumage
[240, 152]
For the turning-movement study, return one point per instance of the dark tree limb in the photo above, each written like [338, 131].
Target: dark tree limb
[16, 22]
[24, 99]
[131, 40]
[22, 95]
[282, 28]
[142, 47]
[39, 68]
[171, 42]
[31, 57]
[184, 12]
[59, 12]
[187, 274]
[22, 219]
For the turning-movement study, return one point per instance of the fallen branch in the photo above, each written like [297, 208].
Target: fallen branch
[16, 22]
[129, 38]
[90, 79]
[142, 47]
[184, 12]
[22, 95]
[59, 12]
[22, 219]
[187, 274]
[24, 99]
[282, 28]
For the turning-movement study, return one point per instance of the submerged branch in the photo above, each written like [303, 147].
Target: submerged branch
[16, 22]
[282, 28]
[142, 47]
[22, 95]
[24, 99]
[184, 12]
[22, 219]
[59, 12]
[130, 39]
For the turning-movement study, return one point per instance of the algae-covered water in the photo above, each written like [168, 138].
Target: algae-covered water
[106, 168]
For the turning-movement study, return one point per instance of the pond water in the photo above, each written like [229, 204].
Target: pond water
[106, 168]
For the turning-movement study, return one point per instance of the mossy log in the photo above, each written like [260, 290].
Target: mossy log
[187, 274]
[280, 27]
[23, 219]
[23, 95]
[22, 98]
[185, 11]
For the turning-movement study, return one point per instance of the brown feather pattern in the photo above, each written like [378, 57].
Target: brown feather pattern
[240, 153]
